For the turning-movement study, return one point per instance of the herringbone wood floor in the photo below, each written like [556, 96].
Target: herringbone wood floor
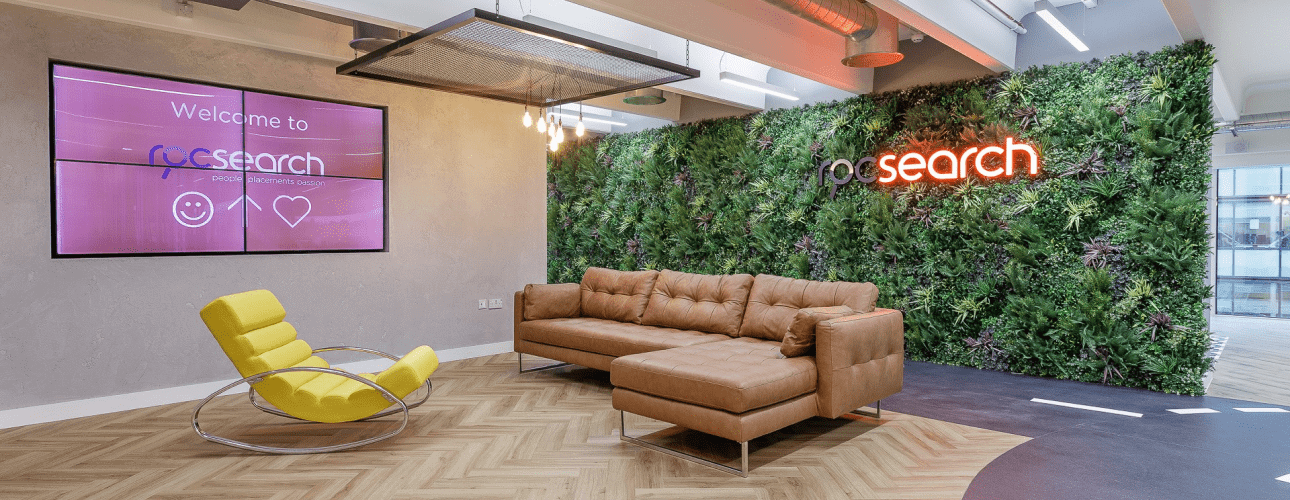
[487, 432]
[1252, 368]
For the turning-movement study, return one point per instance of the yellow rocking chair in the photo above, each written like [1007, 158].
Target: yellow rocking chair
[286, 372]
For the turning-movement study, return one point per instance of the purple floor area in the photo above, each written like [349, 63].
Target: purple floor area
[1080, 454]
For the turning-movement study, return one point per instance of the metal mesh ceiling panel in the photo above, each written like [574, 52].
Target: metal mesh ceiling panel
[487, 55]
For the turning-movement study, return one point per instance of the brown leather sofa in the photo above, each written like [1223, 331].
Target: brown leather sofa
[709, 352]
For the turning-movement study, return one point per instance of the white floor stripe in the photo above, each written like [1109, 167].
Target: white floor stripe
[1285, 478]
[1086, 407]
[1262, 410]
[1192, 411]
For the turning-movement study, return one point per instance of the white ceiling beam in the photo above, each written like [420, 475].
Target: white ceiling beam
[1225, 103]
[1180, 12]
[750, 29]
[962, 26]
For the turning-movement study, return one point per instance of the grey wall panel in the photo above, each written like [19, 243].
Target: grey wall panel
[466, 221]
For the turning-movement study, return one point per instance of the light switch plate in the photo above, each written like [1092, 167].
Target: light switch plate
[483, 303]
[495, 303]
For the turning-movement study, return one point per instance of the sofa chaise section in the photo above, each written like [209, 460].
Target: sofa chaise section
[710, 353]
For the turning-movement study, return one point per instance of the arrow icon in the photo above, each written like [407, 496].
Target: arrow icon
[248, 200]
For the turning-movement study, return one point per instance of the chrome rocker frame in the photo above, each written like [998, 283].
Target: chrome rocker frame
[402, 406]
[742, 471]
[540, 368]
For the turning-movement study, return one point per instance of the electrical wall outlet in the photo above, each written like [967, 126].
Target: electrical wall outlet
[495, 303]
[483, 303]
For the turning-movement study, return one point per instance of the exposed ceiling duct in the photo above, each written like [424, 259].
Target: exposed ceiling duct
[1254, 123]
[871, 36]
[369, 37]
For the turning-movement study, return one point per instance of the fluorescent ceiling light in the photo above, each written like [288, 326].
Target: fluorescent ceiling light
[547, 23]
[589, 119]
[758, 85]
[1049, 14]
[587, 110]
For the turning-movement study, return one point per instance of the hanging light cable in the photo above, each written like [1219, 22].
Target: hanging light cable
[581, 128]
[528, 96]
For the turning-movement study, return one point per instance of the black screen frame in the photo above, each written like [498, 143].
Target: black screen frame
[53, 163]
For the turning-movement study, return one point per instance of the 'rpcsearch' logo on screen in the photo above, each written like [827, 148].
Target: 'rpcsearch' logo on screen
[222, 159]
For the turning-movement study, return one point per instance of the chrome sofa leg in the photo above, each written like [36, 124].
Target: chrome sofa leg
[742, 471]
[540, 368]
[877, 406]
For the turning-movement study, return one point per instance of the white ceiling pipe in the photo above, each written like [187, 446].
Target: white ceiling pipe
[1003, 17]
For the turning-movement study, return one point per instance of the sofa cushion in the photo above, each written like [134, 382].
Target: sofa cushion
[708, 303]
[557, 300]
[774, 300]
[735, 375]
[609, 337]
[616, 295]
[799, 340]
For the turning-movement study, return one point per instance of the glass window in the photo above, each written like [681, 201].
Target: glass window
[1256, 181]
[1254, 298]
[1263, 263]
[1252, 240]
[1224, 296]
[1226, 178]
[1285, 302]
[1226, 230]
[1224, 258]
[1255, 223]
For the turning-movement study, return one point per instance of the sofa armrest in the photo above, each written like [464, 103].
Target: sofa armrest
[559, 300]
[860, 359]
[519, 314]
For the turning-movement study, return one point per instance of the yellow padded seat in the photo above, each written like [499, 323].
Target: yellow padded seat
[251, 330]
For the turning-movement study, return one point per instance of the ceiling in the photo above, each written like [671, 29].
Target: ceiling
[754, 39]
[1250, 39]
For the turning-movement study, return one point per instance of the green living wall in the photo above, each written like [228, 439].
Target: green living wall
[1092, 271]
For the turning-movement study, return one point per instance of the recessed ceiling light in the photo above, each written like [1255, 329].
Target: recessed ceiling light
[758, 85]
[1046, 11]
[591, 119]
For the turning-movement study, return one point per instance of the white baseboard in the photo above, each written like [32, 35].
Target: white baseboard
[121, 402]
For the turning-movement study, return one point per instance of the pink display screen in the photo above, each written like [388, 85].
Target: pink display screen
[146, 165]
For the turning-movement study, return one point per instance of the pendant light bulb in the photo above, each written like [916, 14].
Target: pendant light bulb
[541, 123]
[559, 132]
[528, 119]
[581, 129]
[555, 146]
[550, 131]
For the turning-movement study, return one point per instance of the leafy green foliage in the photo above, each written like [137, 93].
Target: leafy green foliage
[1093, 271]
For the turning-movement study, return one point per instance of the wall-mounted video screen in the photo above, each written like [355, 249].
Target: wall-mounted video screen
[153, 166]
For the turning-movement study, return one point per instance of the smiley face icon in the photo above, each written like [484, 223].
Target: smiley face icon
[193, 209]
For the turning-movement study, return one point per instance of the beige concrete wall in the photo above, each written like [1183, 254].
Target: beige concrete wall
[466, 221]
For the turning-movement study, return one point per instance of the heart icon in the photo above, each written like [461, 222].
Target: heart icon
[292, 206]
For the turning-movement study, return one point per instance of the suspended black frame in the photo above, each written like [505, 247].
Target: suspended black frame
[399, 48]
